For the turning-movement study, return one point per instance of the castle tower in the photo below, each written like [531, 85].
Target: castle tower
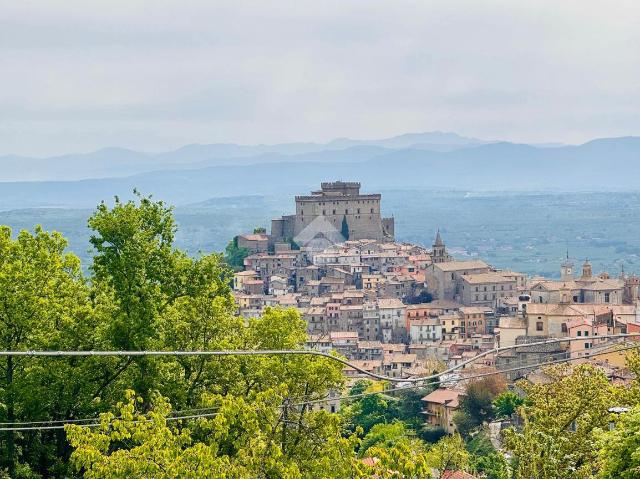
[566, 270]
[439, 250]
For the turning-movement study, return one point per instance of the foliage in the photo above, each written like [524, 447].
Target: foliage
[476, 406]
[143, 293]
[42, 297]
[491, 466]
[448, 453]
[431, 434]
[235, 255]
[406, 459]
[558, 440]
[259, 230]
[423, 296]
[247, 438]
[382, 435]
[506, 404]
[370, 410]
[485, 460]
[619, 451]
[410, 406]
[344, 229]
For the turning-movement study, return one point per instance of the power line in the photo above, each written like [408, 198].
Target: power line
[317, 401]
[304, 352]
[137, 421]
[467, 378]
[78, 421]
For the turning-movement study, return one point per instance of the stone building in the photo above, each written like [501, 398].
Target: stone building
[484, 289]
[341, 209]
[255, 243]
[587, 288]
[443, 278]
[439, 252]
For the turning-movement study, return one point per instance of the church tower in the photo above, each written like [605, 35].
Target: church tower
[587, 271]
[566, 270]
[439, 252]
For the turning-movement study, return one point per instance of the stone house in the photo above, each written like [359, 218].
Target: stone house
[439, 408]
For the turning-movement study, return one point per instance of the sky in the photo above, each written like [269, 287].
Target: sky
[155, 75]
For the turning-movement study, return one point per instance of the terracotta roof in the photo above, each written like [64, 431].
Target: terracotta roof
[448, 397]
[390, 303]
[461, 265]
[456, 475]
[255, 237]
[343, 335]
[248, 272]
[481, 278]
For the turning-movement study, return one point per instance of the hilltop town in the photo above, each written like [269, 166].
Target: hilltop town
[406, 311]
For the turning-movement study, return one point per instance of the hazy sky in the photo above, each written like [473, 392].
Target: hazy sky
[153, 75]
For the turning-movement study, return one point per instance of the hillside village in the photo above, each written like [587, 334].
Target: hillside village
[407, 311]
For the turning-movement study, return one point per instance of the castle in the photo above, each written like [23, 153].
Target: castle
[337, 207]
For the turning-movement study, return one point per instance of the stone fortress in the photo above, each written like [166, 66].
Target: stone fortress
[335, 203]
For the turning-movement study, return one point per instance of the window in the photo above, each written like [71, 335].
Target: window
[539, 326]
[372, 210]
[579, 333]
[334, 212]
[606, 297]
[575, 299]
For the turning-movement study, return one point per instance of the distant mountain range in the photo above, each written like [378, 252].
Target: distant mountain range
[430, 160]
[119, 162]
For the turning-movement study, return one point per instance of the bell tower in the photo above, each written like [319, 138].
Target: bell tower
[587, 271]
[439, 251]
[566, 269]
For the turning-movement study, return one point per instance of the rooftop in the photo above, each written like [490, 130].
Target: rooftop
[448, 397]
[461, 265]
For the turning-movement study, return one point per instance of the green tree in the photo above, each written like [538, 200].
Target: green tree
[137, 269]
[619, 448]
[382, 435]
[558, 440]
[235, 255]
[41, 293]
[410, 406]
[476, 406]
[448, 453]
[506, 404]
[491, 466]
[370, 410]
[243, 440]
[485, 460]
[406, 459]
[344, 230]
[259, 230]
